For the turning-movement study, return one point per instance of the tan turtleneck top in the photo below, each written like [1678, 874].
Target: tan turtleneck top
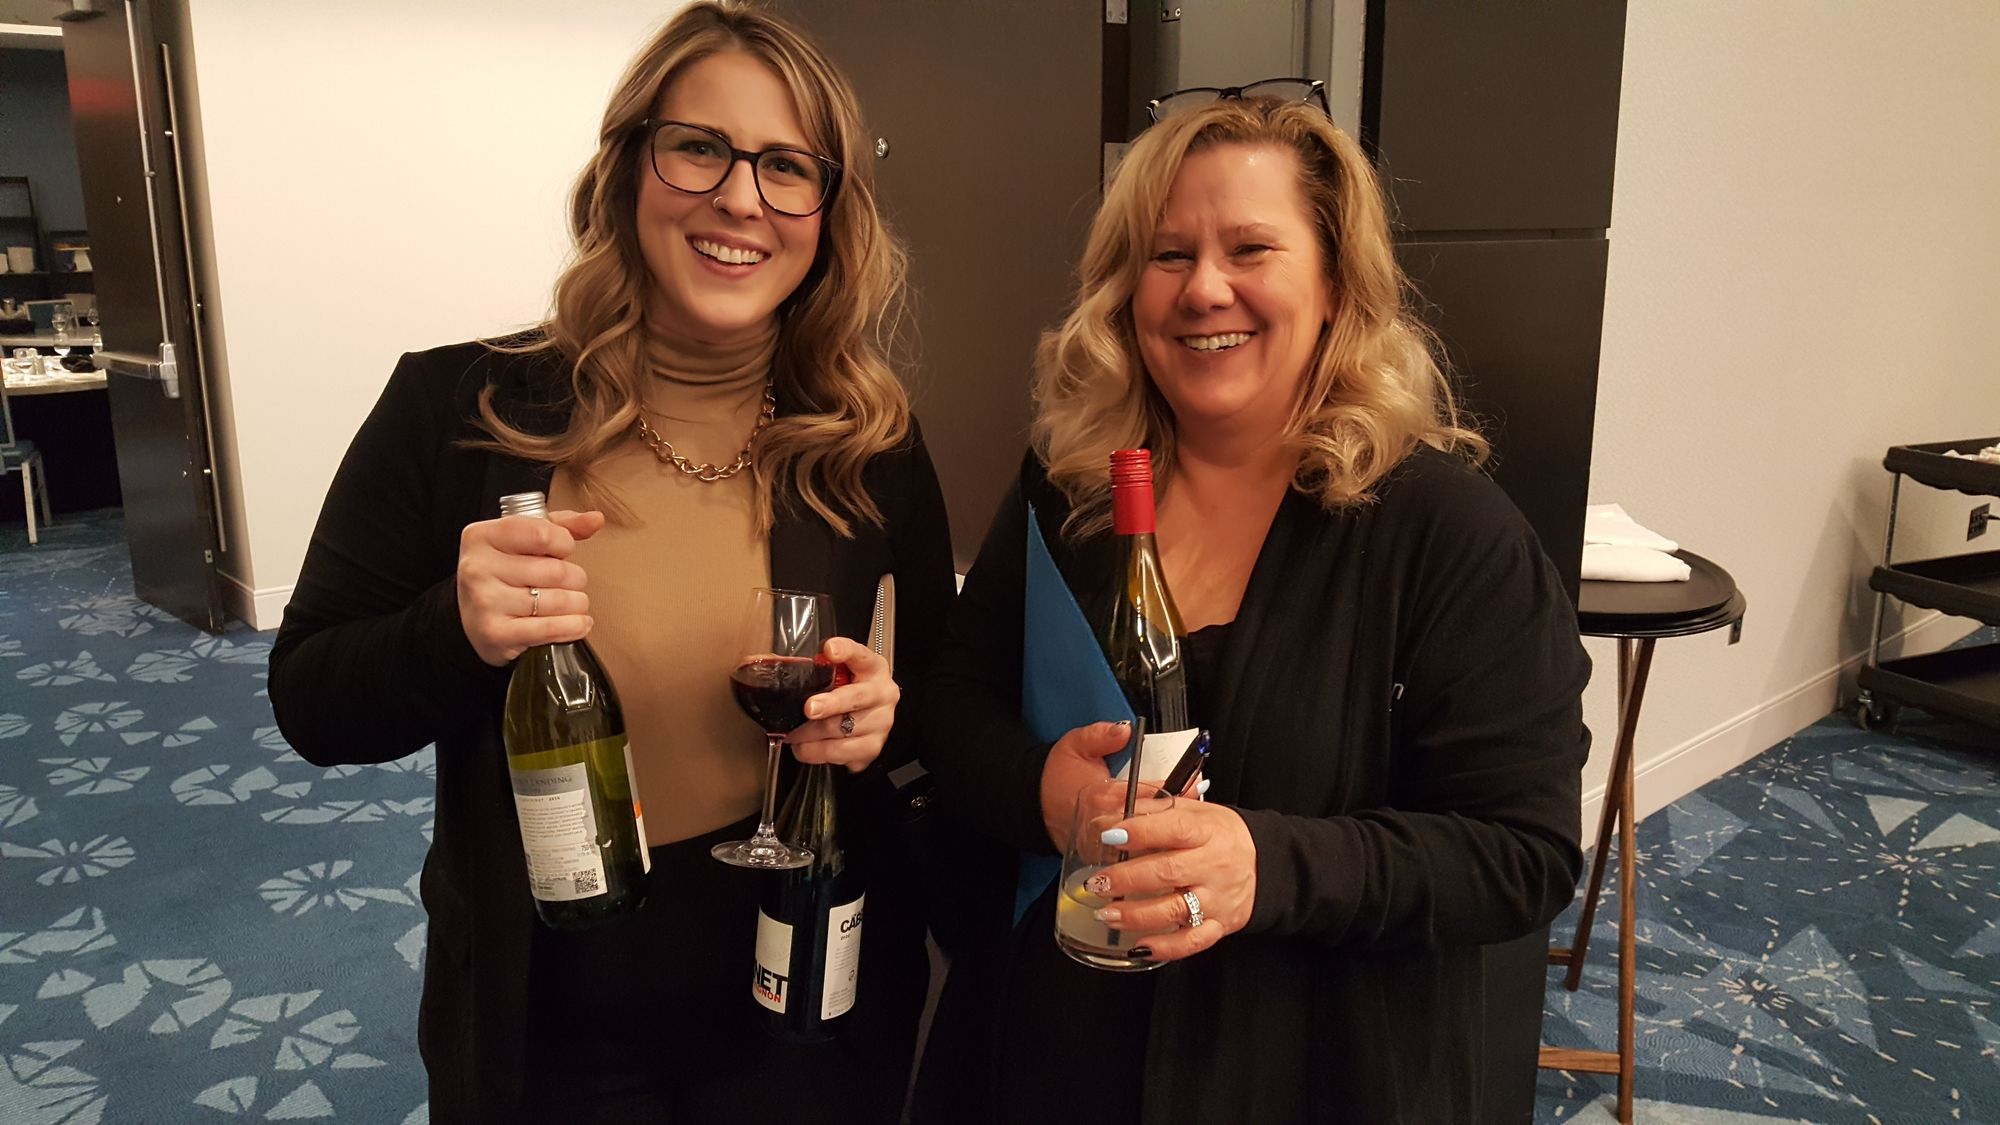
[668, 587]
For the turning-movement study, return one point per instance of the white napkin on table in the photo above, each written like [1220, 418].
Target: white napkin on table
[1606, 562]
[1608, 524]
[1617, 548]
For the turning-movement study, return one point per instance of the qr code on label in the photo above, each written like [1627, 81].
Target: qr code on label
[586, 882]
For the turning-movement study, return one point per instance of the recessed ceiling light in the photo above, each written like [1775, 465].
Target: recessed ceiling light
[28, 29]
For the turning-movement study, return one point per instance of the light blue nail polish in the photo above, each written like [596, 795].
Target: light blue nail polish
[1115, 836]
[1202, 789]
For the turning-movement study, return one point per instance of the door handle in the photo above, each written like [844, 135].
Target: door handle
[162, 370]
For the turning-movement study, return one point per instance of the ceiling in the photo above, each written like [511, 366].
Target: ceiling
[31, 11]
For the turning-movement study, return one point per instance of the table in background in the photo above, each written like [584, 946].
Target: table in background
[69, 418]
[1636, 614]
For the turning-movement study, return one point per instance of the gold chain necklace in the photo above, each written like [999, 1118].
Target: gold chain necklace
[664, 449]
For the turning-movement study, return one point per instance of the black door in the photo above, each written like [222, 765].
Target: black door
[988, 117]
[121, 82]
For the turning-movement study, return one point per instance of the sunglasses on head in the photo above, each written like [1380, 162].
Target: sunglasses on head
[1284, 89]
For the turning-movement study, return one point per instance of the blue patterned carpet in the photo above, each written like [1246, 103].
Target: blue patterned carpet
[1819, 939]
[196, 925]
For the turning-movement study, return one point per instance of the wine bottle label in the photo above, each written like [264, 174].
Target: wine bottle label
[772, 986]
[638, 817]
[559, 833]
[843, 959]
[1159, 754]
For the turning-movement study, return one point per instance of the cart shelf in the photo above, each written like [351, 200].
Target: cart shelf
[1927, 464]
[1960, 585]
[1964, 682]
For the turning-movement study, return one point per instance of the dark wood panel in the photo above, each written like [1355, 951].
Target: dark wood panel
[992, 115]
[1496, 116]
[1521, 322]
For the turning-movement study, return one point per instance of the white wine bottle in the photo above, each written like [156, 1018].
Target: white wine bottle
[1142, 632]
[581, 828]
[809, 926]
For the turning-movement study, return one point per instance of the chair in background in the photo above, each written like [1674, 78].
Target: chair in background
[19, 455]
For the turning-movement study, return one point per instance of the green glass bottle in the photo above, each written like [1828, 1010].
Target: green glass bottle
[581, 828]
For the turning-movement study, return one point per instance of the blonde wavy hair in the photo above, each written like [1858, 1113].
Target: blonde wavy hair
[840, 403]
[1373, 390]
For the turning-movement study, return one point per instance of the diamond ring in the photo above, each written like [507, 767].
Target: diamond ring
[1195, 916]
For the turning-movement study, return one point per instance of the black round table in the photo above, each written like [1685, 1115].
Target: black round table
[1636, 614]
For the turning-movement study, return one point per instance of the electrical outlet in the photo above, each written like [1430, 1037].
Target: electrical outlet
[1976, 525]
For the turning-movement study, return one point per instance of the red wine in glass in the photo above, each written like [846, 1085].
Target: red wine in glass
[780, 663]
[773, 690]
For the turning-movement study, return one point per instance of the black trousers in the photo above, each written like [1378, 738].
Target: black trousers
[650, 1019]
[1024, 1035]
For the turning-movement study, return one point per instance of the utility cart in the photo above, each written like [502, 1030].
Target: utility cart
[1961, 682]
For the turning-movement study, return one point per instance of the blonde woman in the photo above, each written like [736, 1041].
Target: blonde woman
[1384, 654]
[709, 408]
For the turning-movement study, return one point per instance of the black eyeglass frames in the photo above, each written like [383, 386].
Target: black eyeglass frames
[697, 160]
[1284, 89]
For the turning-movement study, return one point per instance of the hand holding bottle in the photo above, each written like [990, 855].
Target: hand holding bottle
[870, 698]
[516, 587]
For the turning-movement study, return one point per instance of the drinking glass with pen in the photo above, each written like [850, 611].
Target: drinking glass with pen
[1099, 807]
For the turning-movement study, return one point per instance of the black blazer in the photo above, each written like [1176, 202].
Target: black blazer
[372, 663]
[1399, 720]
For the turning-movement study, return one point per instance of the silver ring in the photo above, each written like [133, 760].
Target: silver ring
[847, 725]
[1195, 916]
[534, 601]
[717, 202]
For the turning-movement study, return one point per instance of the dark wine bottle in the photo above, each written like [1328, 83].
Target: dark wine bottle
[581, 828]
[1142, 631]
[809, 925]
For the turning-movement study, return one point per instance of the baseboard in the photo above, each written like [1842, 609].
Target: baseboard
[1675, 772]
[259, 609]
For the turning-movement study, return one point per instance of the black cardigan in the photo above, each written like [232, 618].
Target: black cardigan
[372, 663]
[1399, 723]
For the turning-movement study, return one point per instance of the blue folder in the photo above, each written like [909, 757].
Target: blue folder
[1065, 683]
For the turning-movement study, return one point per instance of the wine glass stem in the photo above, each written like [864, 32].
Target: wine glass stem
[775, 744]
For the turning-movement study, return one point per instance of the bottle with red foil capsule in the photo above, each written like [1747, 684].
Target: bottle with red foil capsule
[1142, 632]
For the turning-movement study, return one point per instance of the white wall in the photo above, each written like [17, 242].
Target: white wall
[1805, 260]
[381, 177]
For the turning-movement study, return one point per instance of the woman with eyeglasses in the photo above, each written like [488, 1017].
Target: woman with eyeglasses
[1386, 659]
[710, 411]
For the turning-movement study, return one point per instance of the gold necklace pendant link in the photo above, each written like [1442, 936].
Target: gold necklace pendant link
[707, 473]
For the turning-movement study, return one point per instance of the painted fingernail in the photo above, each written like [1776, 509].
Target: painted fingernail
[1115, 836]
[1202, 788]
[1098, 885]
[1109, 915]
[1142, 951]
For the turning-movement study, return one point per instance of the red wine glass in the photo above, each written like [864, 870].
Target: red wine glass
[779, 665]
